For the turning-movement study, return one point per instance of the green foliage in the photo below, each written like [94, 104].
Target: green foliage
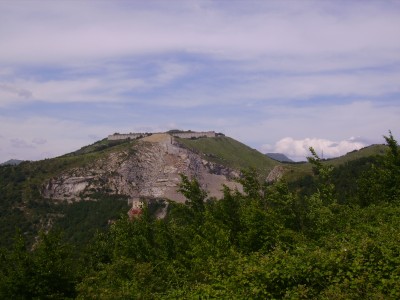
[381, 183]
[251, 184]
[21, 204]
[301, 172]
[194, 194]
[325, 187]
[81, 220]
[46, 272]
[267, 242]
[99, 146]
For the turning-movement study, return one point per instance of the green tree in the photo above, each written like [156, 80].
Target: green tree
[195, 197]
[46, 272]
[381, 183]
[325, 186]
[318, 207]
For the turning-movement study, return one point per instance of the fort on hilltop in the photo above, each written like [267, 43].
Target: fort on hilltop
[175, 133]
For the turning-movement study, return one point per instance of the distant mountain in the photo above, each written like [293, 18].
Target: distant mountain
[279, 157]
[11, 162]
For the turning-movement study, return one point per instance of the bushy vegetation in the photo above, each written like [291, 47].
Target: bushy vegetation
[23, 207]
[266, 242]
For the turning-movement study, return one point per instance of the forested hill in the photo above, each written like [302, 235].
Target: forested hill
[268, 241]
[23, 206]
[43, 194]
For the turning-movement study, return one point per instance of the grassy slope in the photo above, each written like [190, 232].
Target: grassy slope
[295, 171]
[229, 152]
[364, 152]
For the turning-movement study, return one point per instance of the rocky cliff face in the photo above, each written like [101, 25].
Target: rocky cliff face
[150, 169]
[275, 174]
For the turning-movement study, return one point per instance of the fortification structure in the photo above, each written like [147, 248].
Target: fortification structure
[182, 135]
[190, 135]
[125, 136]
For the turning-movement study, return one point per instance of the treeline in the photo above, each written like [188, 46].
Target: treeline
[266, 242]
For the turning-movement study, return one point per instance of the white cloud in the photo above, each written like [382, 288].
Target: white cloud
[299, 149]
[15, 91]
[38, 138]
[312, 46]
[110, 83]
[20, 144]
[39, 141]
[294, 88]
[11, 94]
[93, 30]
[332, 122]
[327, 69]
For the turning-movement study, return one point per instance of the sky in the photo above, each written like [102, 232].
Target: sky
[279, 76]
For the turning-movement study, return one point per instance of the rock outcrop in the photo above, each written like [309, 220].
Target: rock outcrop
[151, 168]
[275, 174]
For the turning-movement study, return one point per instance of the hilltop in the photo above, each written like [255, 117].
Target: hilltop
[12, 162]
[108, 177]
[83, 190]
[147, 167]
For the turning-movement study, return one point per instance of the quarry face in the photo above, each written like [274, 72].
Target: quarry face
[151, 168]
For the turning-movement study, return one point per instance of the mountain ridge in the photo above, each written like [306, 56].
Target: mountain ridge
[279, 157]
[37, 195]
[11, 162]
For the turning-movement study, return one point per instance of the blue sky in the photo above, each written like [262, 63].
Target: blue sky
[279, 76]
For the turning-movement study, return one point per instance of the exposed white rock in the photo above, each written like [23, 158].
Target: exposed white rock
[150, 169]
[275, 174]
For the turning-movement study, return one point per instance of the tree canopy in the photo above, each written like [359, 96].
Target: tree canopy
[267, 242]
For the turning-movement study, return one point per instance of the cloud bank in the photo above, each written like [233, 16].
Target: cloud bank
[256, 70]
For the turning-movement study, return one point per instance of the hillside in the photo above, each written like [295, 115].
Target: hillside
[23, 206]
[11, 162]
[107, 174]
[264, 241]
[229, 152]
[295, 171]
[368, 151]
[279, 157]
[347, 171]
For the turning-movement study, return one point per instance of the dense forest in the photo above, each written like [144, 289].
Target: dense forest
[335, 235]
